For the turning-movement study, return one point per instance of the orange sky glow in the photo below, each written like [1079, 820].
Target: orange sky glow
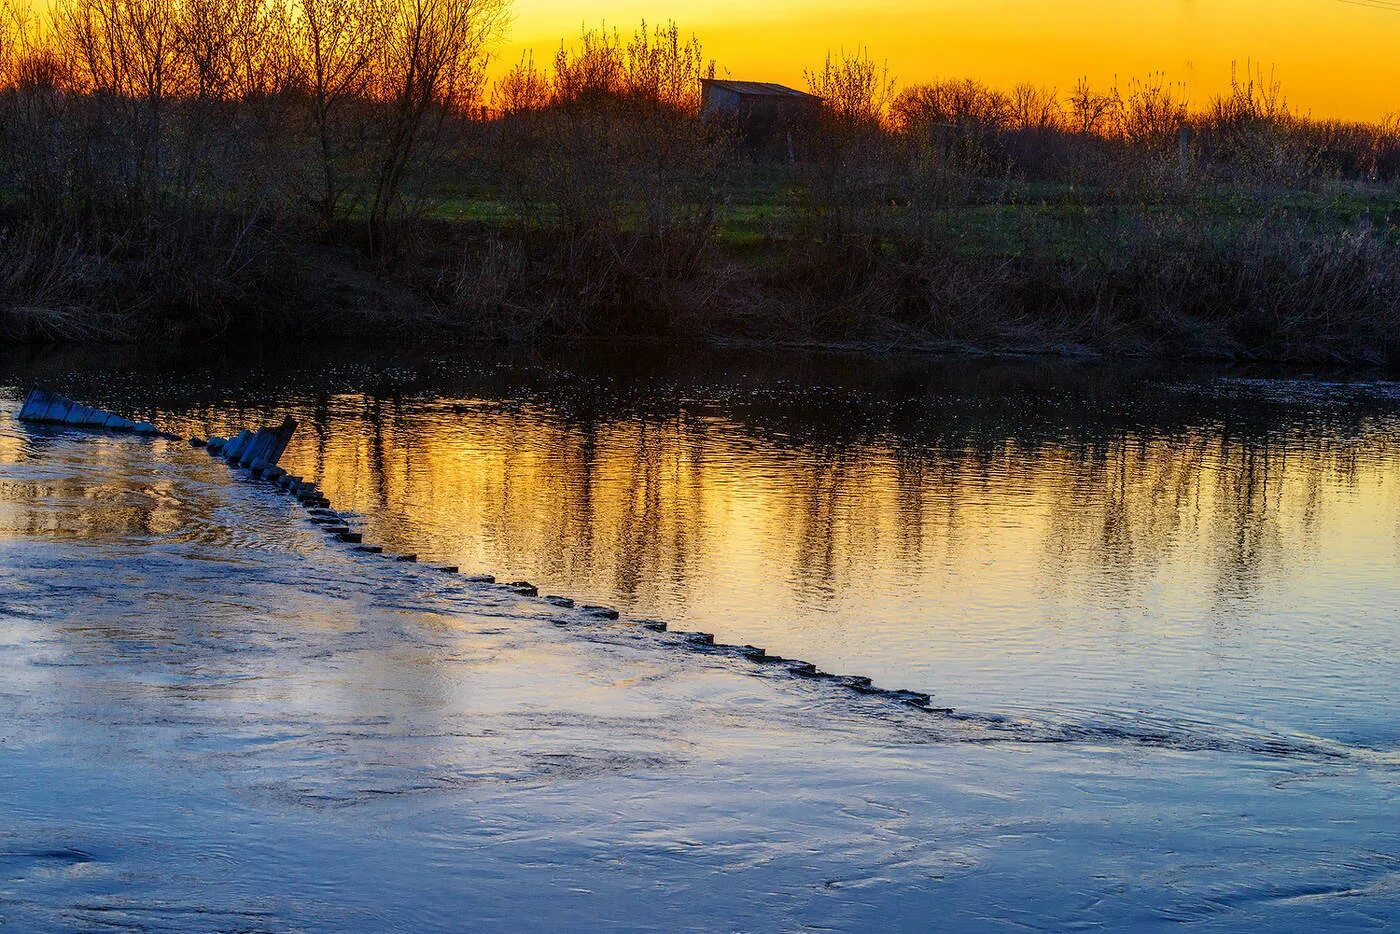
[1335, 58]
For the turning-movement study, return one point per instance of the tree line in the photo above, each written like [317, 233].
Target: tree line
[210, 167]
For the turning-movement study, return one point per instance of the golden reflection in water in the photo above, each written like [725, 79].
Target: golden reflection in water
[1012, 542]
[696, 513]
[117, 504]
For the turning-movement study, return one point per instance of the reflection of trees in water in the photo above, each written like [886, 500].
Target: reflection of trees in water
[1124, 506]
[641, 524]
[1250, 484]
[1243, 504]
[632, 502]
[636, 481]
[820, 523]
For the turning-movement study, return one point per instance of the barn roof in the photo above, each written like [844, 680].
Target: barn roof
[757, 88]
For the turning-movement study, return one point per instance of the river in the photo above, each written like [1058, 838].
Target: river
[1161, 603]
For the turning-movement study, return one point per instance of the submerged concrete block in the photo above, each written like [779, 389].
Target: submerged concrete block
[146, 428]
[43, 406]
[35, 404]
[601, 612]
[272, 442]
[481, 579]
[446, 568]
[655, 625]
[246, 448]
[266, 444]
[231, 446]
[252, 451]
[409, 558]
[235, 448]
[56, 410]
[912, 698]
[560, 601]
[352, 537]
[77, 415]
[369, 549]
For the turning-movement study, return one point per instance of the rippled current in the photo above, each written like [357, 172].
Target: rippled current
[1163, 604]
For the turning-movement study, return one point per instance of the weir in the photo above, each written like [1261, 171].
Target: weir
[49, 407]
[258, 451]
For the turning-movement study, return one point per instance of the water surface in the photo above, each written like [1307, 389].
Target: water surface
[1087, 545]
[1178, 589]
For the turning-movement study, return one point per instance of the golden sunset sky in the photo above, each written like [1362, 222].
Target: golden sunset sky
[1335, 58]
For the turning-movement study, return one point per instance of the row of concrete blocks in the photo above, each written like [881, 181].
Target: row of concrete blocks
[42, 406]
[258, 452]
[336, 526]
[705, 642]
[859, 684]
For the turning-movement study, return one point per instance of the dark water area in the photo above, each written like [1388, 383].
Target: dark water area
[1199, 557]
[1163, 603]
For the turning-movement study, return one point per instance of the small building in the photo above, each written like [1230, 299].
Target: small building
[765, 113]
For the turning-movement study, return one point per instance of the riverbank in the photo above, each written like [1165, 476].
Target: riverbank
[1159, 282]
[215, 719]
